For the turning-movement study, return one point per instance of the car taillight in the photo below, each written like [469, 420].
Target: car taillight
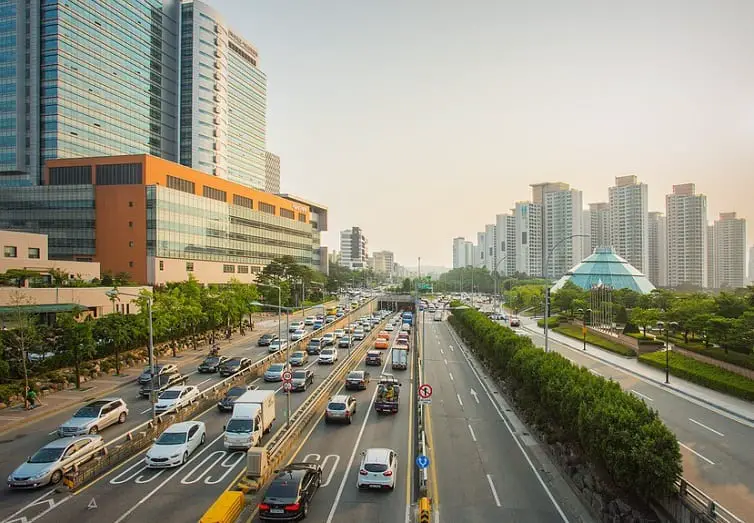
[293, 508]
[363, 472]
[387, 473]
[264, 506]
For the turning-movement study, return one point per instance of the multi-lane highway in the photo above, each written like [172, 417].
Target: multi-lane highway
[338, 450]
[480, 468]
[716, 447]
[129, 492]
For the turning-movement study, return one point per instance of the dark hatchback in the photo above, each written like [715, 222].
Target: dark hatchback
[315, 346]
[211, 364]
[162, 383]
[357, 380]
[234, 365]
[226, 404]
[374, 357]
[290, 493]
[266, 339]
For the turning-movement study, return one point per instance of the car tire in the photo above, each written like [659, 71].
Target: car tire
[94, 430]
[56, 477]
[185, 458]
[122, 418]
[305, 510]
[319, 480]
[204, 438]
[350, 419]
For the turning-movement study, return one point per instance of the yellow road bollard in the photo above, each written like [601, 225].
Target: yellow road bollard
[424, 510]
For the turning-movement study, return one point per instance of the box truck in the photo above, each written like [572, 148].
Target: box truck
[400, 357]
[253, 414]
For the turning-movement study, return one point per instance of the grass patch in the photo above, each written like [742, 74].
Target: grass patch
[551, 322]
[572, 331]
[704, 374]
[734, 358]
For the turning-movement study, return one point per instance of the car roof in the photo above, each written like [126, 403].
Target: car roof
[101, 402]
[178, 387]
[289, 474]
[183, 426]
[373, 352]
[339, 398]
[64, 442]
[377, 455]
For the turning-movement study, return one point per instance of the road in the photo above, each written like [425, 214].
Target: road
[716, 448]
[480, 469]
[133, 485]
[338, 450]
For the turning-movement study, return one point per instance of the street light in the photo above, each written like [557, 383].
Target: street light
[547, 283]
[280, 307]
[583, 319]
[497, 265]
[114, 294]
[667, 349]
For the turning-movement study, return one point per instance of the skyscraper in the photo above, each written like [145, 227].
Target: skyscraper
[751, 265]
[658, 250]
[479, 256]
[468, 248]
[710, 284]
[490, 241]
[383, 262]
[730, 251]
[528, 221]
[353, 249]
[459, 252]
[505, 226]
[271, 172]
[599, 214]
[562, 214]
[687, 236]
[629, 214]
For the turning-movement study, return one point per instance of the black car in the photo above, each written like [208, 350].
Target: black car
[315, 345]
[226, 404]
[161, 383]
[290, 493]
[374, 357]
[301, 380]
[266, 339]
[357, 380]
[165, 368]
[234, 365]
[211, 364]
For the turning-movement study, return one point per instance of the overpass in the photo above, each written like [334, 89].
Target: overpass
[397, 302]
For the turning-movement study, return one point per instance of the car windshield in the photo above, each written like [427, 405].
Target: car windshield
[336, 406]
[87, 412]
[211, 361]
[300, 331]
[235, 392]
[282, 489]
[237, 425]
[355, 375]
[297, 354]
[47, 455]
[266, 336]
[232, 363]
[315, 341]
[171, 438]
[299, 374]
[327, 352]
[276, 367]
[170, 394]
[375, 467]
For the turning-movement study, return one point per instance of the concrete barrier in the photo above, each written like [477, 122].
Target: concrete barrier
[425, 510]
[226, 509]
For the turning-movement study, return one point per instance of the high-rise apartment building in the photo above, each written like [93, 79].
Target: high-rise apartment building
[729, 251]
[383, 262]
[528, 222]
[562, 214]
[600, 228]
[469, 251]
[353, 249]
[459, 252]
[658, 250]
[710, 257]
[490, 242]
[479, 252]
[99, 78]
[686, 214]
[629, 213]
[505, 258]
[751, 265]
[271, 172]
[586, 230]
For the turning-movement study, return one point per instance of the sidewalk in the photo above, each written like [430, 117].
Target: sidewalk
[56, 402]
[732, 405]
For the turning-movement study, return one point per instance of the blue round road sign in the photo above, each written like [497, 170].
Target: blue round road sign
[422, 461]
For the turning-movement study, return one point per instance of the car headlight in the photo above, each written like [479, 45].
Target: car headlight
[175, 455]
[39, 474]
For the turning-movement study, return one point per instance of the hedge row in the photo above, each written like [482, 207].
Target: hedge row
[734, 358]
[573, 331]
[553, 321]
[704, 374]
[617, 431]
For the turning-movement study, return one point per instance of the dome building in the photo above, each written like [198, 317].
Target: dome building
[605, 267]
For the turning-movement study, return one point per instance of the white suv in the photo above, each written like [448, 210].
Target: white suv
[95, 416]
[377, 469]
[328, 356]
[175, 397]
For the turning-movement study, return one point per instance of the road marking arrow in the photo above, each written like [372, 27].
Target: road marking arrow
[473, 393]
[92, 504]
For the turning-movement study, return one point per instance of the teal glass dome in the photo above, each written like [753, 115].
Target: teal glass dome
[604, 267]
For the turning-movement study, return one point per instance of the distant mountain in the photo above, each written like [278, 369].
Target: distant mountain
[431, 270]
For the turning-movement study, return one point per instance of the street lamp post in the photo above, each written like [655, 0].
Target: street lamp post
[547, 283]
[667, 349]
[497, 265]
[113, 294]
[583, 320]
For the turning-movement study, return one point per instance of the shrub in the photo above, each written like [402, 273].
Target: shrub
[734, 358]
[573, 331]
[617, 431]
[9, 390]
[552, 321]
[704, 374]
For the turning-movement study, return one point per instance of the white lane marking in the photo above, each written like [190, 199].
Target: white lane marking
[146, 498]
[473, 436]
[641, 395]
[494, 492]
[510, 429]
[692, 420]
[323, 464]
[127, 474]
[145, 411]
[459, 399]
[451, 376]
[452, 349]
[696, 453]
[442, 352]
[446, 361]
[203, 382]
[51, 504]
[476, 396]
[596, 373]
[53, 432]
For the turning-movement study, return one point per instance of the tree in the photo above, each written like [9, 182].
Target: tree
[23, 335]
[75, 339]
[685, 311]
[407, 286]
[59, 277]
[730, 305]
[644, 318]
[719, 329]
[565, 297]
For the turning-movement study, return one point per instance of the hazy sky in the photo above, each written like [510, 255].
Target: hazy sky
[421, 120]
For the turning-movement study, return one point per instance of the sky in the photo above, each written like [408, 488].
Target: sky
[420, 120]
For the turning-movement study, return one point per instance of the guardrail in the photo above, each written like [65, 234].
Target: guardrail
[131, 443]
[704, 504]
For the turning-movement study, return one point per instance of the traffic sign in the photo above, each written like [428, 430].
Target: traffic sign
[287, 386]
[425, 401]
[422, 461]
[287, 376]
[425, 391]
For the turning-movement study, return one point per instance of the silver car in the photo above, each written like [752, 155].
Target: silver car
[94, 417]
[275, 372]
[53, 460]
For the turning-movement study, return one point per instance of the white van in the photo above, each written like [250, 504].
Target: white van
[253, 414]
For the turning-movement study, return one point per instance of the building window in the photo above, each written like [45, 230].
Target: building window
[255, 269]
[10, 251]
[130, 204]
[119, 174]
[189, 266]
[302, 217]
[74, 175]
[130, 244]
[285, 213]
[523, 238]
[130, 264]
[162, 265]
[243, 269]
[131, 225]
[242, 201]
[33, 253]
[266, 207]
[179, 184]
[229, 268]
[215, 194]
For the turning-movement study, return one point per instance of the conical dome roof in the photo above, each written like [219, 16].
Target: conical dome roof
[604, 267]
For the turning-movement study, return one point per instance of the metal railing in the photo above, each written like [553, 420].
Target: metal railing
[700, 501]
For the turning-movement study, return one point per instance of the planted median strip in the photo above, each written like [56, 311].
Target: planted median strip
[573, 331]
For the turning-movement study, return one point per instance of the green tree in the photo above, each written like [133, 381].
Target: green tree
[719, 329]
[565, 297]
[730, 305]
[644, 318]
[75, 340]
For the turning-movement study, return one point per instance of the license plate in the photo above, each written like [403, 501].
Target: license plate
[375, 486]
[276, 511]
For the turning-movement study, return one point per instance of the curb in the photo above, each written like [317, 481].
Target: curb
[662, 384]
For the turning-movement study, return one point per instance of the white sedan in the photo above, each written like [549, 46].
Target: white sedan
[298, 334]
[176, 444]
[175, 397]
